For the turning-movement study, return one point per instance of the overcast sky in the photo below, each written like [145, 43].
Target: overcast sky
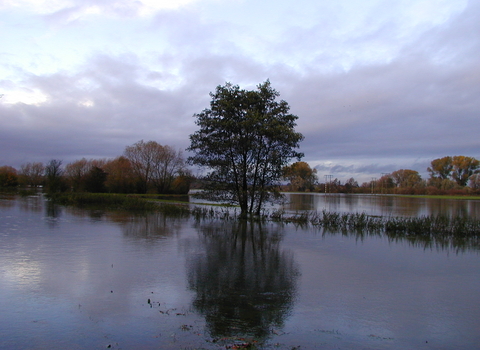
[378, 85]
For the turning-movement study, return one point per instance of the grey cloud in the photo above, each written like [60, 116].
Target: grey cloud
[413, 105]
[422, 103]
[124, 111]
[361, 173]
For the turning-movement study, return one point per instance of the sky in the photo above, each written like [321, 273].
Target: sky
[377, 85]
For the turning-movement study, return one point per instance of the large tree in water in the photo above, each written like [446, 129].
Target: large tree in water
[245, 140]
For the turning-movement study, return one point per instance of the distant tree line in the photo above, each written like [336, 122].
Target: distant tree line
[144, 167]
[245, 142]
[148, 167]
[448, 175]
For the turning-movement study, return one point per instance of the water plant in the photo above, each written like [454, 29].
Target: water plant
[418, 226]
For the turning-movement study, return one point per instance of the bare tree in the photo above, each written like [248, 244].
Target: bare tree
[54, 176]
[154, 165]
[75, 173]
[32, 173]
[168, 165]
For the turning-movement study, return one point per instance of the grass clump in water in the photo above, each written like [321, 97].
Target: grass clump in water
[419, 226]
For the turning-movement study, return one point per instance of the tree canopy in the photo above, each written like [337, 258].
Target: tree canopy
[245, 139]
[441, 168]
[155, 165]
[301, 176]
[406, 178]
[456, 168]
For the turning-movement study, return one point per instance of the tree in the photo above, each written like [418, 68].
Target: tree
[463, 168]
[181, 184]
[385, 183]
[475, 181]
[351, 185]
[120, 176]
[142, 157]
[54, 176]
[170, 164]
[245, 140]
[76, 172]
[8, 176]
[441, 168]
[301, 176]
[406, 178]
[155, 165]
[457, 168]
[95, 180]
[31, 174]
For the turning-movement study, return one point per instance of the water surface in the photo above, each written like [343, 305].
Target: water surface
[77, 279]
[382, 205]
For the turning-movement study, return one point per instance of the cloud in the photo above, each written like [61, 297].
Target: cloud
[411, 106]
[95, 112]
[95, 7]
[383, 92]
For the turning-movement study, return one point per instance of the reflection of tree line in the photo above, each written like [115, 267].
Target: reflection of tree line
[384, 205]
[141, 225]
[30, 203]
[7, 201]
[148, 226]
[244, 283]
[453, 244]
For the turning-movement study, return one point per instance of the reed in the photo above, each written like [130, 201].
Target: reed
[418, 226]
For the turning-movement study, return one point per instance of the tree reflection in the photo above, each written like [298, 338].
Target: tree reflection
[244, 283]
[150, 226]
[438, 242]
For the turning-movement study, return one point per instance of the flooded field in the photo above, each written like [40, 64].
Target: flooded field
[82, 279]
[383, 205]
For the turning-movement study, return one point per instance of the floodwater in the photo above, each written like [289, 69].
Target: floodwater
[383, 205]
[92, 279]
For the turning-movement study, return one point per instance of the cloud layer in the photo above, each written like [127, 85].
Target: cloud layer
[378, 87]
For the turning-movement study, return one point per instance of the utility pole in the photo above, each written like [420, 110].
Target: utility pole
[374, 181]
[328, 180]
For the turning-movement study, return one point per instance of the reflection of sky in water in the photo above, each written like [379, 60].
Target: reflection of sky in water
[388, 290]
[84, 282]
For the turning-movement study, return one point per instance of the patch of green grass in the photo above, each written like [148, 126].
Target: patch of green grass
[107, 200]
